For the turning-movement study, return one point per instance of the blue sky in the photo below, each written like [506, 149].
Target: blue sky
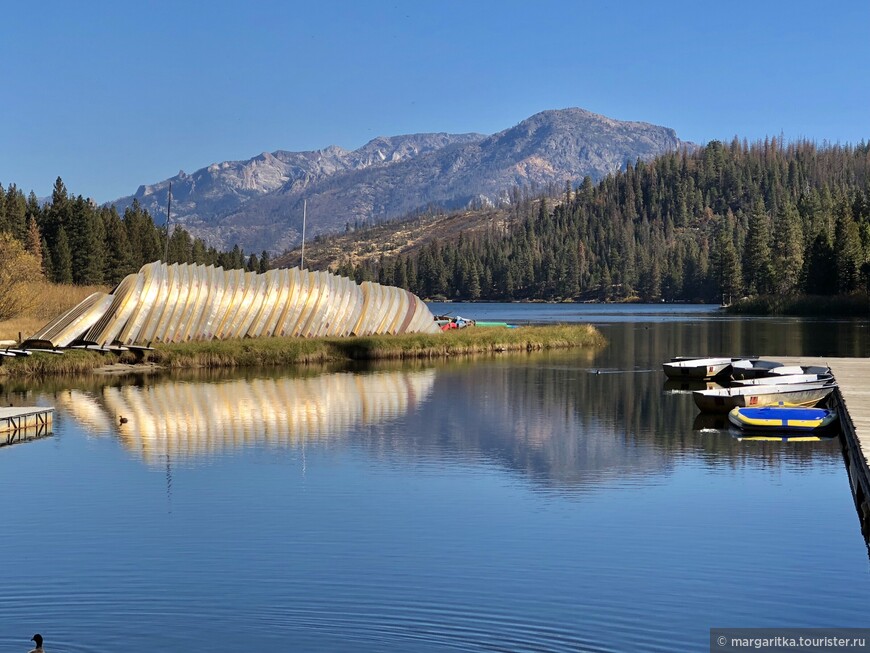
[110, 95]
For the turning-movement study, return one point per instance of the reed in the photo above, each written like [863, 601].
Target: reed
[71, 363]
[260, 352]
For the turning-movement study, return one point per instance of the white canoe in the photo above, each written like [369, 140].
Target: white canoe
[800, 369]
[696, 368]
[783, 379]
[750, 369]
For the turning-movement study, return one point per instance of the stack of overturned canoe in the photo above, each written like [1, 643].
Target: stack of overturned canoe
[180, 302]
[749, 383]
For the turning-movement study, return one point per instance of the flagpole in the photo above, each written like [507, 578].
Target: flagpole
[304, 210]
[168, 208]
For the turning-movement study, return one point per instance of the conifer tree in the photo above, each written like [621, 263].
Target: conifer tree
[847, 245]
[788, 250]
[757, 262]
[47, 268]
[200, 252]
[61, 263]
[726, 263]
[16, 213]
[119, 256]
[821, 267]
[142, 234]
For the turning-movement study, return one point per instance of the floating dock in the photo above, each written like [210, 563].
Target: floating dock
[852, 403]
[21, 423]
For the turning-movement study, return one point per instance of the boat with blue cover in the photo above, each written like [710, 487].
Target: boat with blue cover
[781, 418]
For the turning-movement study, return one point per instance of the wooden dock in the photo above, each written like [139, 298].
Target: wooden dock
[852, 402]
[21, 423]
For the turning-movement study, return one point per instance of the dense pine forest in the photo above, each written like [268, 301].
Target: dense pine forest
[722, 222]
[76, 241]
[717, 223]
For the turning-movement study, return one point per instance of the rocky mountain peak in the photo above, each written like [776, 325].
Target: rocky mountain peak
[257, 203]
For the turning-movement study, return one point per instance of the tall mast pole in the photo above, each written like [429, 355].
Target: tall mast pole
[304, 210]
[168, 209]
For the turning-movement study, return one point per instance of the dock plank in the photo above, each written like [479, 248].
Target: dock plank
[852, 400]
[853, 377]
[17, 418]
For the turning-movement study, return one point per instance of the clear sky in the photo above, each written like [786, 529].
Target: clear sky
[110, 95]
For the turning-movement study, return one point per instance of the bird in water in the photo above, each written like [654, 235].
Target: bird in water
[122, 419]
[38, 639]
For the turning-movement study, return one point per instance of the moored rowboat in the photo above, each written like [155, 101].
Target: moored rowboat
[797, 394]
[696, 368]
[749, 369]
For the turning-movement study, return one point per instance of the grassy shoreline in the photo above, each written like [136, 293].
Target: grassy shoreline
[260, 352]
[856, 305]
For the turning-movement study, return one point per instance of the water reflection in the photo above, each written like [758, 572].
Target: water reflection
[509, 503]
[656, 342]
[566, 420]
[553, 418]
[181, 419]
[26, 434]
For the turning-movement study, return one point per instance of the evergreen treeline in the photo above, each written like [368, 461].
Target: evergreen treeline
[721, 222]
[78, 242]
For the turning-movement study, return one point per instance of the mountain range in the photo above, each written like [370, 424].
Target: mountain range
[257, 203]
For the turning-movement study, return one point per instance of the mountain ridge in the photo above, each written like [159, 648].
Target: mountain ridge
[257, 203]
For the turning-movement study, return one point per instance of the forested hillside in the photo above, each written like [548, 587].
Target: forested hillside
[718, 223]
[721, 222]
[75, 241]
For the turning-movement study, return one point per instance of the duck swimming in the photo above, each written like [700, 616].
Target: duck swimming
[38, 639]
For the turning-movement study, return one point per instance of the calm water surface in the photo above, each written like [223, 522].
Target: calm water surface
[528, 503]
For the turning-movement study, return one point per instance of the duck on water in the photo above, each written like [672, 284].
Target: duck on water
[37, 638]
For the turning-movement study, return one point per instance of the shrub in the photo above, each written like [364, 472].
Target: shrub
[18, 268]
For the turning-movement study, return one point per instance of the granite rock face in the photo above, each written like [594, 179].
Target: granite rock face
[257, 203]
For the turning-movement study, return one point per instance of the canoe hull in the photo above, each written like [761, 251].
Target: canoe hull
[723, 401]
[784, 379]
[697, 369]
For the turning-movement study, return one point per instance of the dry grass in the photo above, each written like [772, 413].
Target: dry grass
[294, 351]
[50, 300]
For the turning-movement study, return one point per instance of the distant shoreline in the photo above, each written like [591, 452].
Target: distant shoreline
[855, 305]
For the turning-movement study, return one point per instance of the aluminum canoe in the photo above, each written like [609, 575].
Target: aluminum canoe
[796, 394]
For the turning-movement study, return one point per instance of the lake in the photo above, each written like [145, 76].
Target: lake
[546, 502]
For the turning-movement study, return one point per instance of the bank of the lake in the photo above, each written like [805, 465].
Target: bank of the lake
[259, 352]
[854, 305]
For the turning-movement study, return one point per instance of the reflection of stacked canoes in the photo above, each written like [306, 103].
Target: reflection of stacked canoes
[179, 302]
[86, 410]
[184, 419]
